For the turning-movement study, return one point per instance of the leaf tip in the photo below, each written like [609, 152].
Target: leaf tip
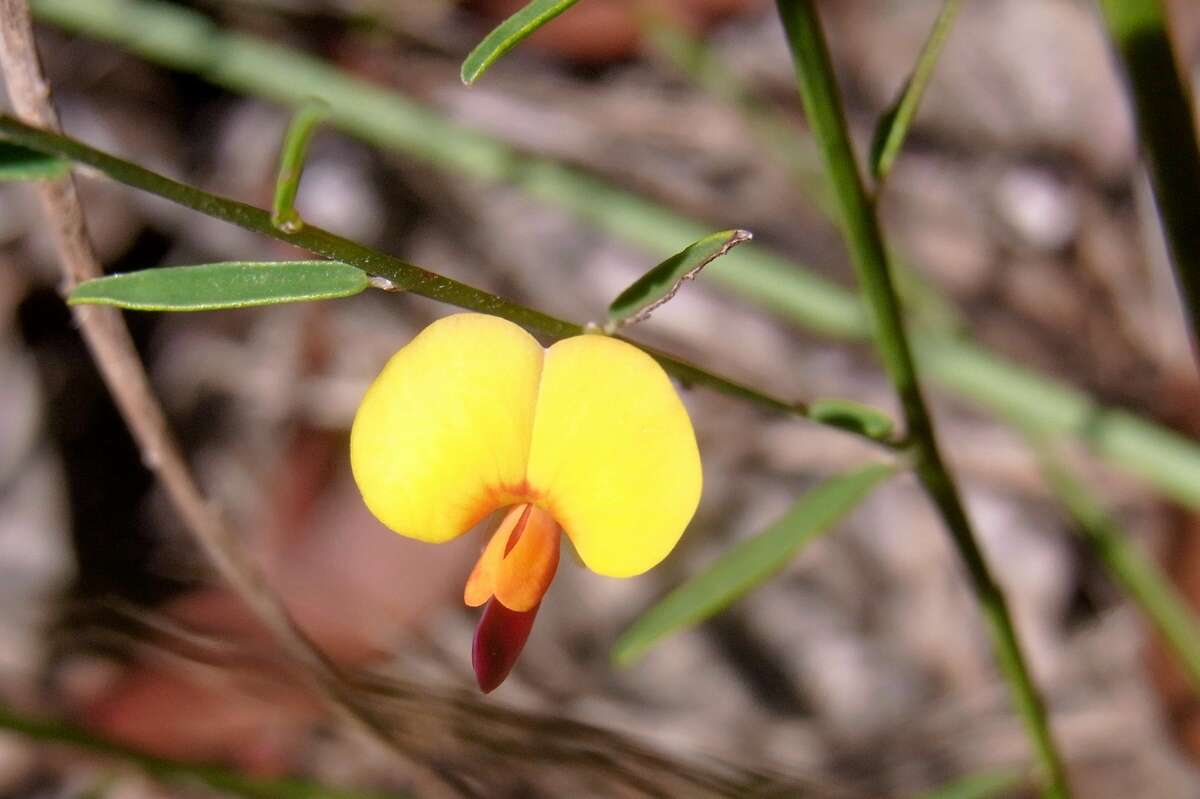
[624, 653]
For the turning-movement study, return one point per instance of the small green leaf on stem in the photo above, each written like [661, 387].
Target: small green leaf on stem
[291, 163]
[509, 33]
[20, 163]
[211, 287]
[894, 124]
[656, 288]
[749, 562]
[852, 416]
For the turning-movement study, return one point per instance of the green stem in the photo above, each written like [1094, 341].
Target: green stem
[400, 273]
[1166, 125]
[784, 141]
[183, 39]
[291, 163]
[174, 771]
[822, 104]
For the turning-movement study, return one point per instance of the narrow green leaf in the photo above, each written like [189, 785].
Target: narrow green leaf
[209, 287]
[509, 33]
[291, 163]
[981, 785]
[659, 285]
[1140, 576]
[852, 416]
[884, 141]
[749, 562]
[894, 124]
[21, 163]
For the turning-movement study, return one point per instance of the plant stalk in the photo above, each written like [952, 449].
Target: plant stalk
[822, 104]
[400, 274]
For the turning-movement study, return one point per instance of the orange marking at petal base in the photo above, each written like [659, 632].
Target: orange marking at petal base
[519, 562]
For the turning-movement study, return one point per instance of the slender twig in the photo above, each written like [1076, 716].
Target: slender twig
[108, 339]
[399, 274]
[1169, 138]
[823, 106]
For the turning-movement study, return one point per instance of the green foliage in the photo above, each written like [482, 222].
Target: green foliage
[749, 563]
[508, 34]
[1164, 110]
[660, 284]
[291, 163]
[1141, 578]
[235, 284]
[851, 416]
[186, 40]
[400, 274]
[987, 784]
[817, 83]
[19, 163]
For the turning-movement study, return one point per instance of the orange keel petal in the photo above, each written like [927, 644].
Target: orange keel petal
[530, 561]
[482, 582]
[519, 562]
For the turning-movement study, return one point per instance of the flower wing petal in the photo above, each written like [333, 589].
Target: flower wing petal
[614, 456]
[442, 436]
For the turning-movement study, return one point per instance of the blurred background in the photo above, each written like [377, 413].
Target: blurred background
[1024, 222]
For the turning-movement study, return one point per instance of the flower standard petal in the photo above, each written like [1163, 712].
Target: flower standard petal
[442, 436]
[614, 456]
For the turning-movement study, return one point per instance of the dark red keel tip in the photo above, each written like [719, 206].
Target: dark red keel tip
[499, 639]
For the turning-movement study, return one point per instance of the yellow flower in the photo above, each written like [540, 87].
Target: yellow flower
[587, 437]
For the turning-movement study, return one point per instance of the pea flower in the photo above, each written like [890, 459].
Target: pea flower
[587, 437]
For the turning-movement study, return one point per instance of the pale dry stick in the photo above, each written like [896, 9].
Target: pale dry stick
[107, 337]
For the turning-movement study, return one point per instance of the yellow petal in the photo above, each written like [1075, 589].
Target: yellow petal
[614, 457]
[442, 437]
